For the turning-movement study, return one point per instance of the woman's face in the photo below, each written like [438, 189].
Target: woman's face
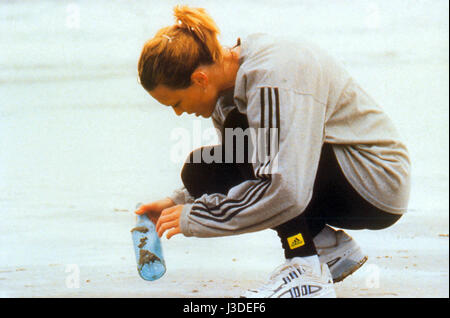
[196, 99]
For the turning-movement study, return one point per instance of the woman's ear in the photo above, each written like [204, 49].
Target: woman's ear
[200, 78]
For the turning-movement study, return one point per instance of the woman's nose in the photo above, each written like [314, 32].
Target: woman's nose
[178, 111]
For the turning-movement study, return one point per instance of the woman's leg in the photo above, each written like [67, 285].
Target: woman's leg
[200, 178]
[207, 178]
[335, 202]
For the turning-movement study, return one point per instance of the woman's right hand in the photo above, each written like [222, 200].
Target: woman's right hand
[154, 209]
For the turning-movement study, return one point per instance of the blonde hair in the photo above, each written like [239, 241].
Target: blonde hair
[172, 55]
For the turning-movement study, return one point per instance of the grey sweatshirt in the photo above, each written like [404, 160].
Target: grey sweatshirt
[298, 89]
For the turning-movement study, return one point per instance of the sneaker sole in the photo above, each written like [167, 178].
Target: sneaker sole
[348, 265]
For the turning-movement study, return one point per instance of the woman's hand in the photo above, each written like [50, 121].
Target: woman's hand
[169, 220]
[154, 209]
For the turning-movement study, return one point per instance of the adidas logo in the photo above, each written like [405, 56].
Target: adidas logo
[296, 241]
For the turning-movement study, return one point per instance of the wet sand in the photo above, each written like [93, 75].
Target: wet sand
[81, 143]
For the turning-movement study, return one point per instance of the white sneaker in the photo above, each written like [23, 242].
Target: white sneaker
[340, 252]
[300, 277]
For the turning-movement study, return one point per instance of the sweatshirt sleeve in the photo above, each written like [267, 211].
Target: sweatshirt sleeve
[181, 196]
[289, 127]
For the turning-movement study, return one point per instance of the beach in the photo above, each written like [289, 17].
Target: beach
[81, 143]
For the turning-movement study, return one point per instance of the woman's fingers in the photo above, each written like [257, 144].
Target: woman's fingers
[140, 210]
[166, 216]
[173, 231]
[166, 226]
[150, 210]
[144, 208]
[155, 207]
[169, 220]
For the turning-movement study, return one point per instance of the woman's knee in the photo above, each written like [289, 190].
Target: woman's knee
[383, 221]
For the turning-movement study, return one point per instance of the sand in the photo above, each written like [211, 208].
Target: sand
[81, 143]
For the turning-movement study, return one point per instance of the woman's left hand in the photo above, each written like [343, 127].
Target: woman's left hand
[169, 220]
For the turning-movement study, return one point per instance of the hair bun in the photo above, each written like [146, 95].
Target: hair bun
[193, 42]
[195, 20]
